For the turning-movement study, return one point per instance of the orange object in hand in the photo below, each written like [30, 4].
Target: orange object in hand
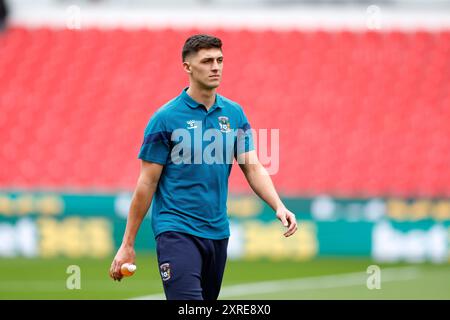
[127, 269]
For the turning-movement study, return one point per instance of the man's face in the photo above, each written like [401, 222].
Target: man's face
[205, 67]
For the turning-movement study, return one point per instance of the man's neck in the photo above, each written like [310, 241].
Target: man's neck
[207, 97]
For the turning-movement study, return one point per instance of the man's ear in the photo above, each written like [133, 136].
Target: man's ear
[187, 67]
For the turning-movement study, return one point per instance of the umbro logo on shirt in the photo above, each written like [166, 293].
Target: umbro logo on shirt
[191, 124]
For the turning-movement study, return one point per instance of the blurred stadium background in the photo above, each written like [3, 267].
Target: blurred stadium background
[360, 91]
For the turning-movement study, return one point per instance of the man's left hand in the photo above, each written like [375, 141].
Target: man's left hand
[288, 220]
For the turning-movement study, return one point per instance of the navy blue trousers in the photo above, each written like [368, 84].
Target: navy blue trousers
[191, 267]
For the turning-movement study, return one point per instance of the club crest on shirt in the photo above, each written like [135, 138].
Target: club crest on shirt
[224, 124]
[164, 269]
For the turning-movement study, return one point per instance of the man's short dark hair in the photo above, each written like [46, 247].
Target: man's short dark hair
[200, 41]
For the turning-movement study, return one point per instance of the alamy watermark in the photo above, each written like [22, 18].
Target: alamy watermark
[73, 17]
[74, 280]
[192, 145]
[374, 278]
[373, 18]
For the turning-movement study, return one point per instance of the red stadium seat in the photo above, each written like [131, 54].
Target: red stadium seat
[359, 113]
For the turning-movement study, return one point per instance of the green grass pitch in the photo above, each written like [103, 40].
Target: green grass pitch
[331, 278]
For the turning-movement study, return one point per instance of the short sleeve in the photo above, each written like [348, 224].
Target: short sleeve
[156, 144]
[244, 141]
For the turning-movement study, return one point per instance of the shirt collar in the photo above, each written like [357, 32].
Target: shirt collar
[194, 104]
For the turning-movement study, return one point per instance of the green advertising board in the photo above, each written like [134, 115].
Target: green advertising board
[49, 224]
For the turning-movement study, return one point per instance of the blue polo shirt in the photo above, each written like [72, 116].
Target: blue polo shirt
[197, 148]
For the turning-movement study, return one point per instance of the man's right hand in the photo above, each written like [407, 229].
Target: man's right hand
[124, 254]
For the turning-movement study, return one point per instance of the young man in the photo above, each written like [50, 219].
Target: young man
[189, 183]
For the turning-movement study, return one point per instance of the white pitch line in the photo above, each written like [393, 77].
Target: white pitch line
[310, 283]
